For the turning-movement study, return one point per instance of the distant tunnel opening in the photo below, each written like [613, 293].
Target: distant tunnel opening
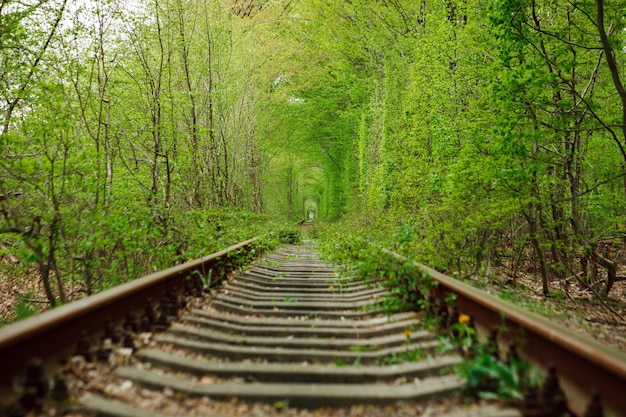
[310, 207]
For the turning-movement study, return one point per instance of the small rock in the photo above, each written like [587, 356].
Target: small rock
[207, 380]
[126, 385]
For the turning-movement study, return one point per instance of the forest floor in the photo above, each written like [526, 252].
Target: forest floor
[574, 307]
[21, 295]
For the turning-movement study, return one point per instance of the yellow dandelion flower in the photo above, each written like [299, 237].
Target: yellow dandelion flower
[407, 333]
[464, 318]
[190, 260]
[331, 287]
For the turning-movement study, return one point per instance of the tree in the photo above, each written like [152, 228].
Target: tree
[32, 166]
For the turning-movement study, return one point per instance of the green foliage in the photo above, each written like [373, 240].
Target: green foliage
[464, 337]
[110, 172]
[407, 285]
[292, 236]
[487, 376]
[25, 308]
[205, 278]
[490, 140]
[409, 355]
[490, 378]
[340, 363]
[457, 133]
[137, 243]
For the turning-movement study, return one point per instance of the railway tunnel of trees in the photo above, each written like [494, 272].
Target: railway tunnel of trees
[469, 134]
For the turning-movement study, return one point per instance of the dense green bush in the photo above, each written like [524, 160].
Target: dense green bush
[408, 286]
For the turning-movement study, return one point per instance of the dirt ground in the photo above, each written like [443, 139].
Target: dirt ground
[575, 308]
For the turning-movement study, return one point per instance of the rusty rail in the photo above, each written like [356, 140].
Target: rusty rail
[585, 367]
[52, 335]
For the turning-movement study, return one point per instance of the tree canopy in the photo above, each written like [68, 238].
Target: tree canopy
[485, 130]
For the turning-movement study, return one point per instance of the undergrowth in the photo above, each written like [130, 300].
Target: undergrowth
[487, 375]
[405, 282]
[290, 235]
[122, 245]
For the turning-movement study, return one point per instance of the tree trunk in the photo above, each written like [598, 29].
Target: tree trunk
[609, 55]
[532, 229]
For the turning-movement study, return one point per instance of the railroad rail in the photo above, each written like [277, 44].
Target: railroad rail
[287, 328]
[50, 337]
[591, 375]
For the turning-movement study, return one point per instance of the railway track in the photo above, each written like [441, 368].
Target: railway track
[287, 331]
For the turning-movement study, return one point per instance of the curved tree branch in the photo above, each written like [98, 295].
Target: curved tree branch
[611, 61]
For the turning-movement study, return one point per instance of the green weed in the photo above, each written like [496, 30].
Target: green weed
[360, 348]
[292, 236]
[339, 363]
[409, 355]
[205, 278]
[407, 285]
[490, 378]
[25, 308]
